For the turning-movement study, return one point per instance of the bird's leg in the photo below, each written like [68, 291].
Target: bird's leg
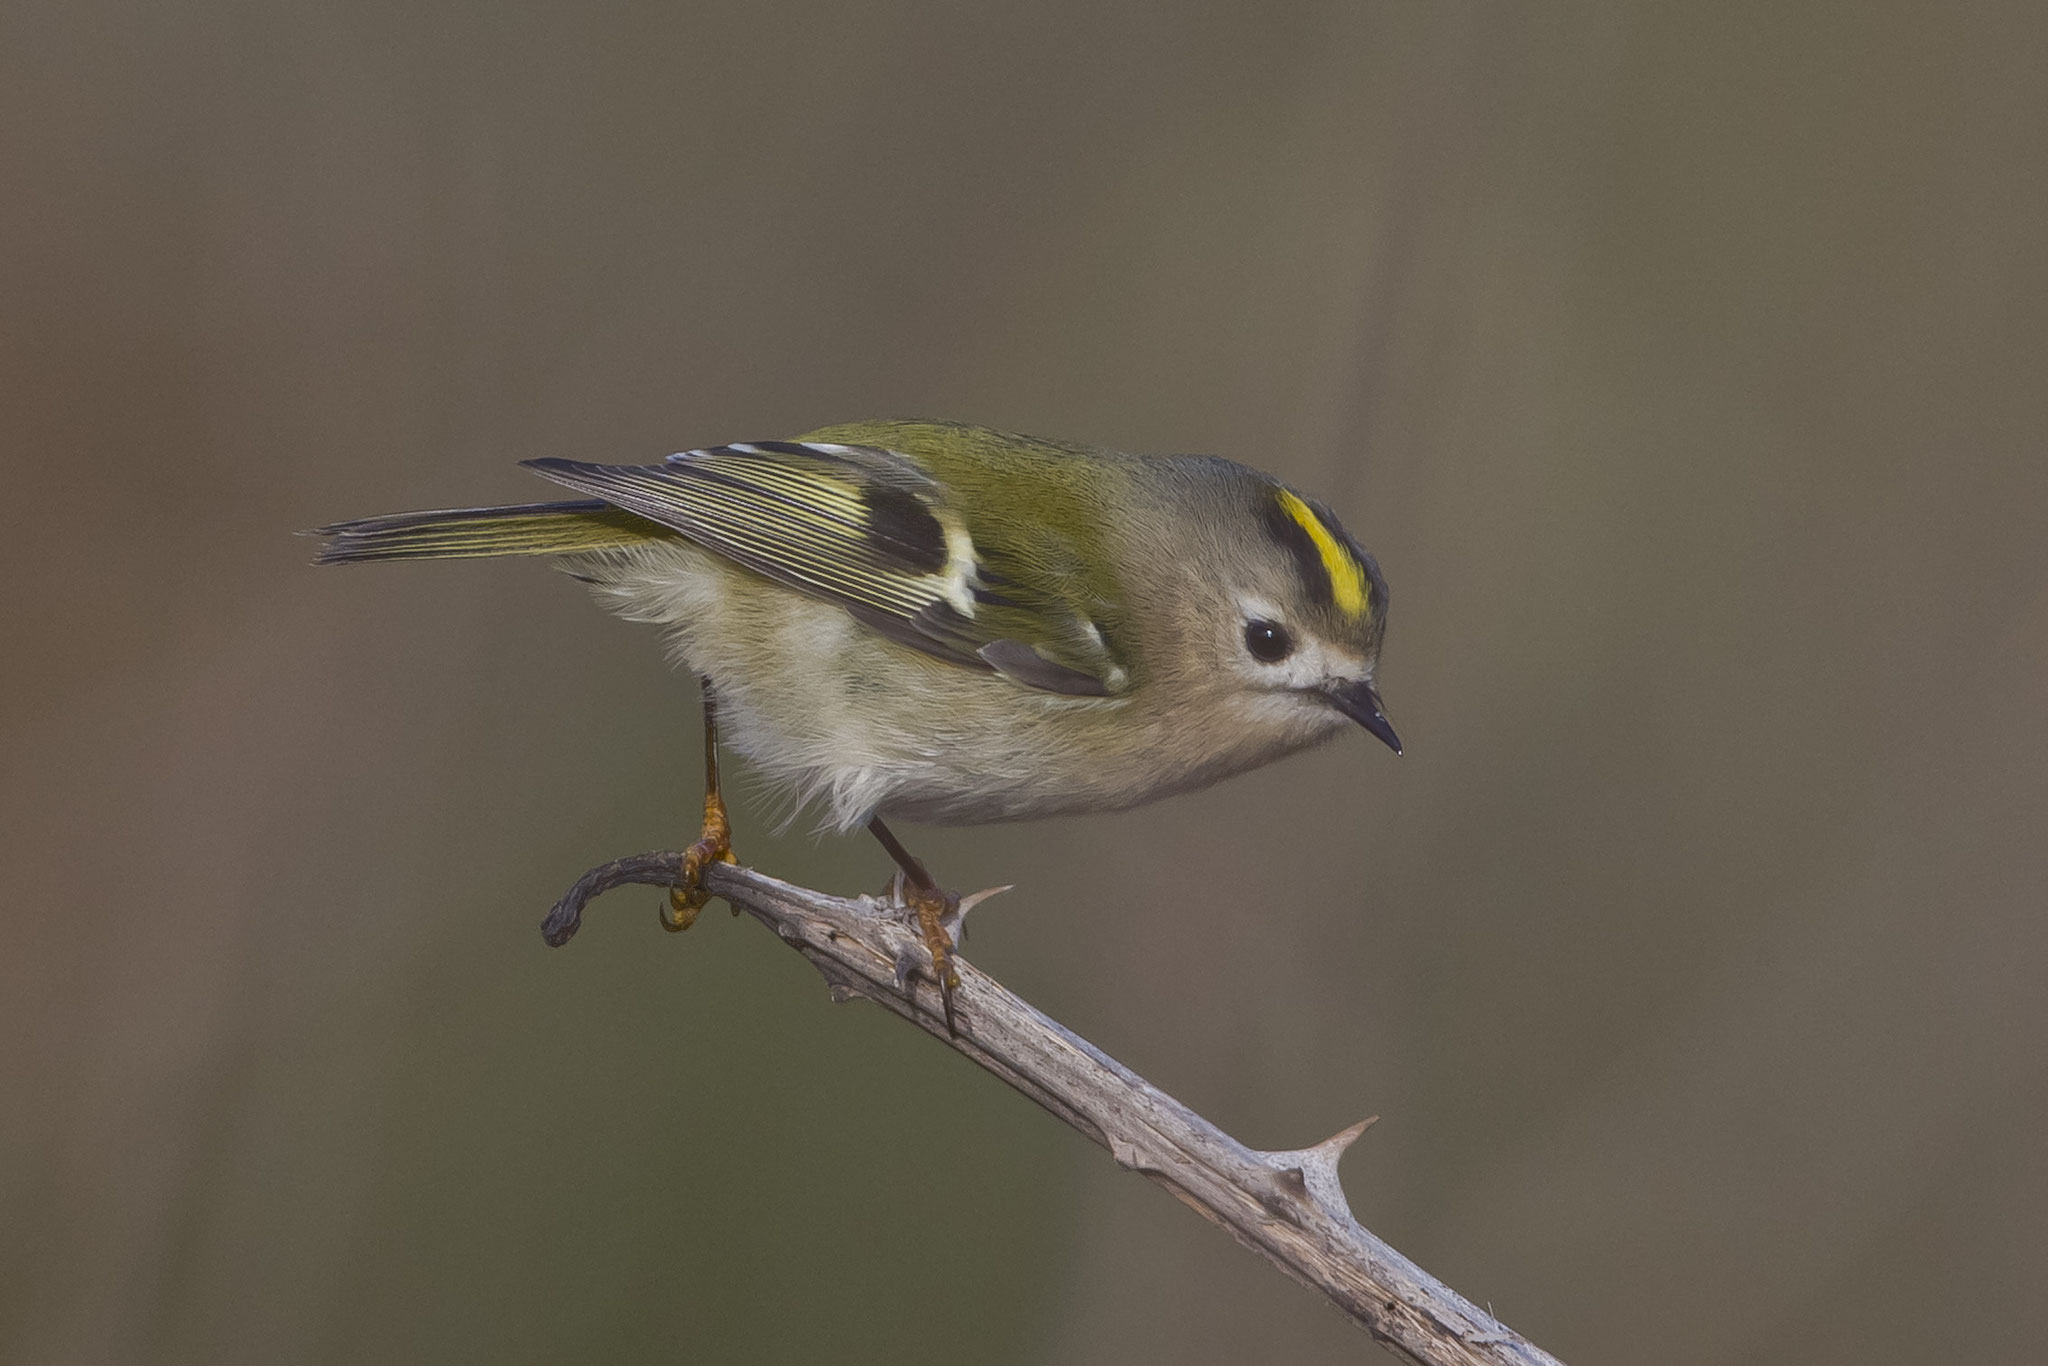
[714, 845]
[934, 906]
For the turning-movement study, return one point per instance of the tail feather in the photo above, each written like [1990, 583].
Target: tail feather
[472, 533]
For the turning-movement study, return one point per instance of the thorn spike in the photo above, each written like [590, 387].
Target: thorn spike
[1336, 1143]
[1311, 1173]
[973, 899]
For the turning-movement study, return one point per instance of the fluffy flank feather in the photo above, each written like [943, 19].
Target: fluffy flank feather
[472, 533]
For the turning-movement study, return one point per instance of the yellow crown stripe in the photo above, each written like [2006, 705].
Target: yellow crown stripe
[1347, 576]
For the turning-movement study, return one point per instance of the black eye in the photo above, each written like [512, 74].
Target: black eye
[1268, 641]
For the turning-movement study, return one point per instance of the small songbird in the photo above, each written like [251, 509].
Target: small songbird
[938, 622]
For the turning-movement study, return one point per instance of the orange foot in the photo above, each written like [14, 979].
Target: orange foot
[934, 907]
[941, 915]
[689, 896]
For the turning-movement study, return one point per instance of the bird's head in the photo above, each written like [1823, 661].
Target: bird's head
[1280, 608]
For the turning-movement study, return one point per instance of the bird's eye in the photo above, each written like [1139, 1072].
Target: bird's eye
[1268, 641]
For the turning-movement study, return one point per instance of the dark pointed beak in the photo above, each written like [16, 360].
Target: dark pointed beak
[1360, 701]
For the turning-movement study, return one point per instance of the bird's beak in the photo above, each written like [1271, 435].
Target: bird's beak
[1360, 701]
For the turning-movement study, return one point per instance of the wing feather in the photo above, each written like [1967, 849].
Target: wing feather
[873, 531]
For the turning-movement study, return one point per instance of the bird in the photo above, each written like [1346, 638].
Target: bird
[942, 623]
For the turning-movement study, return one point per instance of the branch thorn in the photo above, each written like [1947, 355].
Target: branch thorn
[1310, 1174]
[906, 968]
[1130, 1156]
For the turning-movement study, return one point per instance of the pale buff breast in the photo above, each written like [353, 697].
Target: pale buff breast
[831, 714]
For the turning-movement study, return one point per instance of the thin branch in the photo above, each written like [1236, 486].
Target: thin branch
[1287, 1206]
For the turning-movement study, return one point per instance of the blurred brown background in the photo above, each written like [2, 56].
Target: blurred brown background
[1684, 368]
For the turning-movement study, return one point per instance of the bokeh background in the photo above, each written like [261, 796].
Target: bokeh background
[1684, 366]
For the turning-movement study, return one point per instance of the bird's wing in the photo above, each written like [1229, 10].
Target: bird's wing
[873, 531]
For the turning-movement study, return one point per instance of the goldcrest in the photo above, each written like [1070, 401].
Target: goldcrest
[945, 623]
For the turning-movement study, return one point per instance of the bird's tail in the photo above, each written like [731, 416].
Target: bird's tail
[473, 533]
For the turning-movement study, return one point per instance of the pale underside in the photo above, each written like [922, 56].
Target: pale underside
[833, 715]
